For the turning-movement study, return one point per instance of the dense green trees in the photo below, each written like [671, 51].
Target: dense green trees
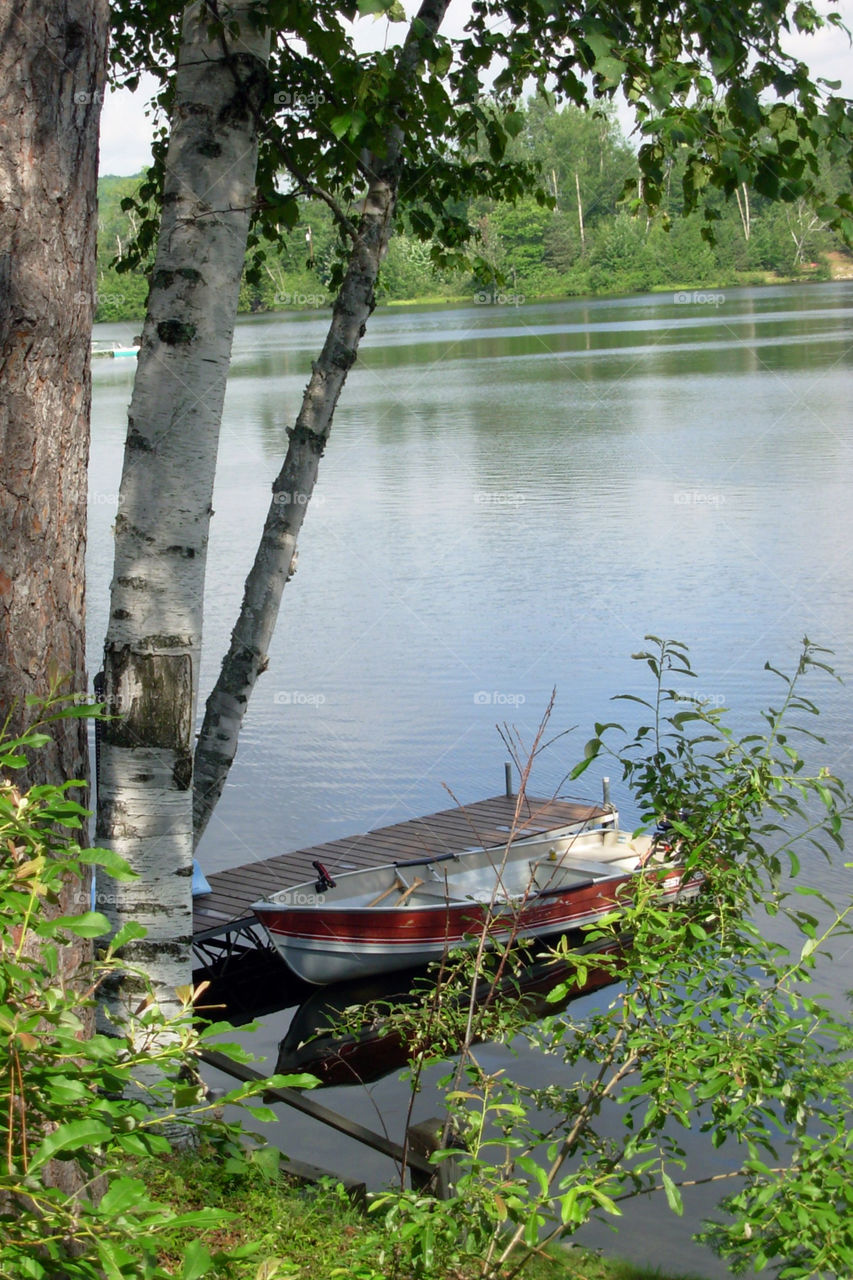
[590, 241]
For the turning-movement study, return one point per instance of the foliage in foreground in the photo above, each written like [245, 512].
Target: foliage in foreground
[303, 1231]
[713, 1029]
[84, 1104]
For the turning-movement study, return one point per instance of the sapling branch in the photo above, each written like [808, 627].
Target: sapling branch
[484, 933]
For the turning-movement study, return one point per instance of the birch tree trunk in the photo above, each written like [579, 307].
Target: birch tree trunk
[743, 208]
[154, 637]
[292, 489]
[580, 212]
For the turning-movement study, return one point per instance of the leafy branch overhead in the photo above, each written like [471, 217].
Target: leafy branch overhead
[711, 85]
[714, 81]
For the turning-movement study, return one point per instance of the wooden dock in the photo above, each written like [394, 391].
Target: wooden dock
[246, 976]
[232, 950]
[486, 822]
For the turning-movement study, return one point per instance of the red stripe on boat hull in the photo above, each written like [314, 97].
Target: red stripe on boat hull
[330, 944]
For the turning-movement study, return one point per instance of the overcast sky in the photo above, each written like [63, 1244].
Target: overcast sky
[126, 129]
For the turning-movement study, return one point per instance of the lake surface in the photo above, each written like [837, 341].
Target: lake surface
[512, 498]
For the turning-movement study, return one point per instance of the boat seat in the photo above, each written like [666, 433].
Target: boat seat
[545, 874]
[608, 853]
[592, 867]
[434, 892]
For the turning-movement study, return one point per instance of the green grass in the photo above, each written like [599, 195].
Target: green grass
[308, 1232]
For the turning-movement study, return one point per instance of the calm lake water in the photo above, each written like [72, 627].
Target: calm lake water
[513, 496]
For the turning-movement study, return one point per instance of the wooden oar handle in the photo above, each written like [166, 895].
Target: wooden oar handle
[398, 884]
[416, 884]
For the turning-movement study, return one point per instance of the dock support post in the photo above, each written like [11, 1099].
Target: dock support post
[508, 780]
[605, 787]
[423, 1139]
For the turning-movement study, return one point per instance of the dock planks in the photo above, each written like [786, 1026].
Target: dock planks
[486, 822]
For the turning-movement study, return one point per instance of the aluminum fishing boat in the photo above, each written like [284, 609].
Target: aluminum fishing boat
[408, 913]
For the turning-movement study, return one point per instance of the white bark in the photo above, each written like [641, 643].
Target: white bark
[292, 489]
[154, 638]
[801, 223]
[580, 212]
[743, 209]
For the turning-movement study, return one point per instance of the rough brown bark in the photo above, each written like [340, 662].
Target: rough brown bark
[52, 70]
[52, 73]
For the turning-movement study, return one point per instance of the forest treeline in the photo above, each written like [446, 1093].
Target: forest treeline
[585, 240]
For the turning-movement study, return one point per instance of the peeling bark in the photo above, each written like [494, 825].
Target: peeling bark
[153, 643]
[292, 489]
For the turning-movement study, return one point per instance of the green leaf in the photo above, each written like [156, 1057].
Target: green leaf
[808, 947]
[123, 1194]
[129, 932]
[299, 1080]
[568, 1204]
[91, 924]
[513, 122]
[268, 1160]
[673, 1195]
[340, 124]
[75, 1136]
[113, 1259]
[610, 1206]
[262, 1113]
[112, 862]
[29, 1268]
[201, 1219]
[197, 1261]
[188, 1095]
[611, 70]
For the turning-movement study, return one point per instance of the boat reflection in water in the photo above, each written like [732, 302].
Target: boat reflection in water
[347, 1033]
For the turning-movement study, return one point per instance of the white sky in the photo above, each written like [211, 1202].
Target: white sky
[126, 129]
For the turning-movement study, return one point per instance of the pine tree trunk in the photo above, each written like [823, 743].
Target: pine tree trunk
[52, 72]
[153, 641]
[292, 489]
[52, 69]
